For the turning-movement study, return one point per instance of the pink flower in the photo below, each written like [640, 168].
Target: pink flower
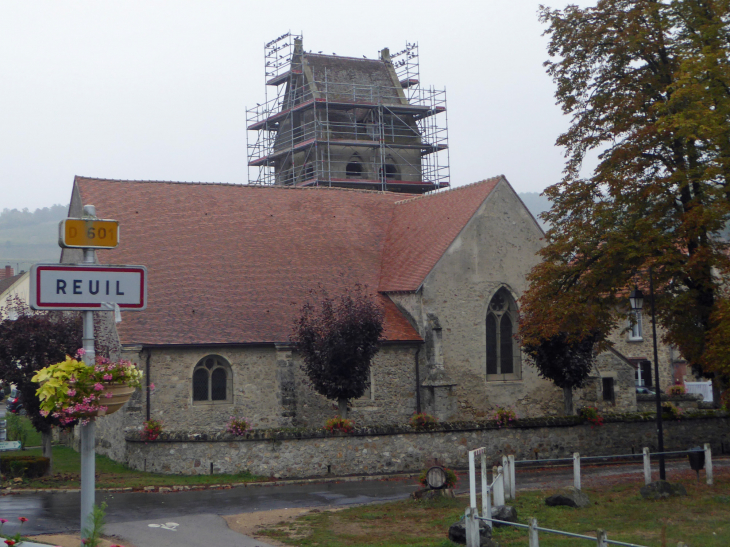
[22, 519]
[152, 386]
[108, 377]
[71, 392]
[108, 395]
[3, 521]
[98, 387]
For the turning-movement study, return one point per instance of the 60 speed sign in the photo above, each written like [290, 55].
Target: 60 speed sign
[88, 233]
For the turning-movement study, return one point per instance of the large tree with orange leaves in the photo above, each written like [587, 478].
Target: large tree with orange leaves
[646, 84]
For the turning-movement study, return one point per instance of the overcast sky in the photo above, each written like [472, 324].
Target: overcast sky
[157, 90]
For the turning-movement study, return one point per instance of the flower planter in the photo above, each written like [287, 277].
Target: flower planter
[121, 393]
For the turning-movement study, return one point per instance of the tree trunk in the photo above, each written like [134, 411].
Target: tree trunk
[47, 453]
[568, 396]
[343, 408]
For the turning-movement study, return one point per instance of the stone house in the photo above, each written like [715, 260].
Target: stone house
[230, 266]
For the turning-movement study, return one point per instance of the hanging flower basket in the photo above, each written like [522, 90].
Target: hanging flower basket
[72, 391]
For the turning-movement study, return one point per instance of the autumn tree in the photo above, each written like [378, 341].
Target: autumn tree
[566, 364]
[337, 338]
[30, 341]
[646, 84]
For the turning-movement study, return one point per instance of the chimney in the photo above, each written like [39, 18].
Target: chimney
[8, 272]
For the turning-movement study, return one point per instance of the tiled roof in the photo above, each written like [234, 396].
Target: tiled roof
[423, 228]
[7, 282]
[232, 264]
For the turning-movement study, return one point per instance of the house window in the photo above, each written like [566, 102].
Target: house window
[643, 373]
[212, 381]
[635, 326]
[503, 351]
[608, 391]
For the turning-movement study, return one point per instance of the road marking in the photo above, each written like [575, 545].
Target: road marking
[166, 526]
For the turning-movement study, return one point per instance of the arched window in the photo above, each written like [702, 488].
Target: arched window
[212, 381]
[503, 351]
[354, 168]
[389, 172]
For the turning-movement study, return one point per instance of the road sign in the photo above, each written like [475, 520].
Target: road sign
[88, 233]
[9, 445]
[87, 287]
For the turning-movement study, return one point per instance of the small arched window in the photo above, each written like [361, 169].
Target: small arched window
[212, 381]
[503, 351]
[389, 172]
[354, 168]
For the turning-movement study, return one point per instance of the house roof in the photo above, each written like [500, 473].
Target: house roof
[8, 282]
[233, 264]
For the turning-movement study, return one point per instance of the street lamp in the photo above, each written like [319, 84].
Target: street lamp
[637, 303]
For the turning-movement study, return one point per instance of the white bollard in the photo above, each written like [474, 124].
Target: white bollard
[534, 542]
[471, 527]
[512, 484]
[507, 476]
[472, 481]
[647, 466]
[708, 463]
[498, 486]
[602, 538]
[486, 501]
[576, 470]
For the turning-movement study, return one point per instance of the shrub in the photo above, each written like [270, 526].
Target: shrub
[238, 426]
[504, 416]
[152, 430]
[451, 478]
[24, 466]
[339, 424]
[676, 390]
[725, 400]
[423, 421]
[17, 429]
[590, 414]
[670, 410]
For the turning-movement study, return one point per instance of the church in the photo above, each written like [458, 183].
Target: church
[349, 187]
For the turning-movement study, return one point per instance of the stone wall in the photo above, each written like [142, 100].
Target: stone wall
[316, 453]
[687, 402]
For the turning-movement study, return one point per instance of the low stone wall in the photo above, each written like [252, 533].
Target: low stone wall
[313, 453]
[687, 402]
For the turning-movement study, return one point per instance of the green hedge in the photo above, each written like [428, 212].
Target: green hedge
[24, 466]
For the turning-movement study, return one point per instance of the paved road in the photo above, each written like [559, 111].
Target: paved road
[198, 513]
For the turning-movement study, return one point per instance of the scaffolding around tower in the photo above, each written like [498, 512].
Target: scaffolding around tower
[340, 121]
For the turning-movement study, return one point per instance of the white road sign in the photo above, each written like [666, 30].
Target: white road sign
[9, 445]
[87, 287]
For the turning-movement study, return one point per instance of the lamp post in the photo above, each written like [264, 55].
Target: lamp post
[637, 303]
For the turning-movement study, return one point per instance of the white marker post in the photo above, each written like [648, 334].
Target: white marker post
[88, 287]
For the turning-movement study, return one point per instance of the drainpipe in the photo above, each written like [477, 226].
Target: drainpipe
[147, 379]
[418, 382]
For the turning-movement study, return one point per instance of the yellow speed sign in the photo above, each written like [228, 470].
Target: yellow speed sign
[88, 233]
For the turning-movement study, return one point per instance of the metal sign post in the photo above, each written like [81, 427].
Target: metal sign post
[88, 287]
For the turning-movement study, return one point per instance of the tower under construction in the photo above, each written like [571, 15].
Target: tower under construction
[328, 120]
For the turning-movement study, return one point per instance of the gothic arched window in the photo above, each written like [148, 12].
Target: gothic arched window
[503, 351]
[389, 172]
[354, 168]
[212, 381]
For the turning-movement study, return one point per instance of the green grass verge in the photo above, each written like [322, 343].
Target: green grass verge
[702, 518]
[19, 428]
[110, 474]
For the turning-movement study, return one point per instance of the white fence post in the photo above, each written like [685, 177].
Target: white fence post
[534, 542]
[498, 485]
[512, 484]
[647, 466]
[602, 538]
[576, 470]
[486, 501]
[507, 476]
[708, 463]
[471, 527]
[472, 481]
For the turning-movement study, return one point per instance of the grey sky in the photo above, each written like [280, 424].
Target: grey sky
[157, 90]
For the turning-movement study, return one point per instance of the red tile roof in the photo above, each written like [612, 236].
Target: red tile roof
[423, 228]
[232, 264]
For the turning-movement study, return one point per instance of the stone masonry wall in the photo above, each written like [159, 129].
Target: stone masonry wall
[400, 449]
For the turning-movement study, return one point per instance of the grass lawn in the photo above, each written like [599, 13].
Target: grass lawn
[700, 519]
[110, 474]
[32, 437]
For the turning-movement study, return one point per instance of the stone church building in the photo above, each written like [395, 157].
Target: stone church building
[347, 168]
